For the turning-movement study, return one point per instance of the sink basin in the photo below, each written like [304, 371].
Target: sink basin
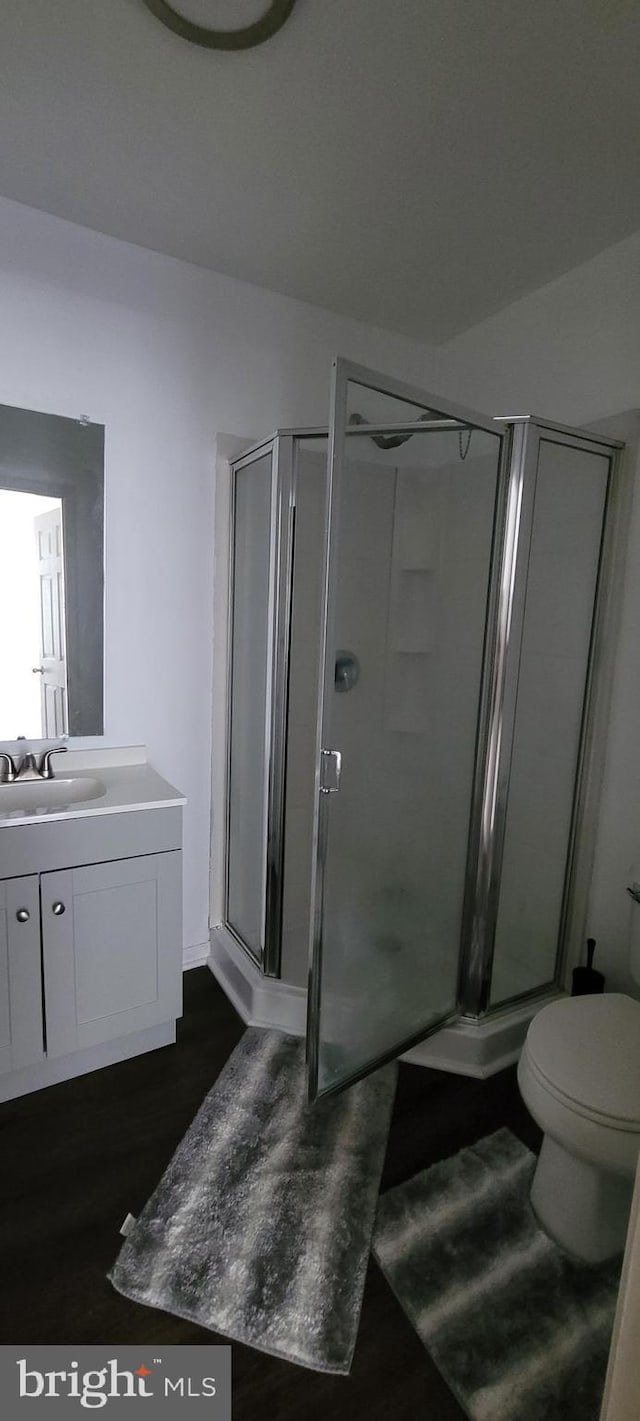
[33, 796]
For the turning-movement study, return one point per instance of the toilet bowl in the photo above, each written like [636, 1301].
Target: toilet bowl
[579, 1076]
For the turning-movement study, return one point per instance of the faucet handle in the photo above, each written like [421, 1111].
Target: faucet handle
[45, 763]
[10, 773]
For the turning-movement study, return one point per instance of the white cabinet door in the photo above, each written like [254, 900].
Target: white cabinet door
[21, 1036]
[112, 949]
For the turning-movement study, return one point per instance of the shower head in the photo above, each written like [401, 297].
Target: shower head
[385, 441]
[393, 441]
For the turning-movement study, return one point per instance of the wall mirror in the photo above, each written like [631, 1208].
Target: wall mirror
[51, 575]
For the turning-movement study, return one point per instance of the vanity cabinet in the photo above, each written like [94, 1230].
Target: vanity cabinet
[90, 946]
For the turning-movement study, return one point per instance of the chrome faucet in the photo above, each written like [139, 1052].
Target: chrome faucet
[28, 768]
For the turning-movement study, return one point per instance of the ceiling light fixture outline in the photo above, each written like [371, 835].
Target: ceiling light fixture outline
[246, 37]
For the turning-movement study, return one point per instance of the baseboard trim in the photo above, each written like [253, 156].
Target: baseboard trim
[196, 955]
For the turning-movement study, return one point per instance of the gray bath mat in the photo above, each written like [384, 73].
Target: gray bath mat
[260, 1229]
[518, 1329]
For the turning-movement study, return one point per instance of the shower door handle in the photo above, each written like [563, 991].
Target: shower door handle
[330, 768]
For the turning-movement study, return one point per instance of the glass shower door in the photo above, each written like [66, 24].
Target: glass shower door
[411, 514]
[261, 536]
[249, 696]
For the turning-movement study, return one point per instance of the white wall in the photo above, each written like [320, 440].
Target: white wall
[164, 355]
[571, 352]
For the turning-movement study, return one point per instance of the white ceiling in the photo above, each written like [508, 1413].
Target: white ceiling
[415, 163]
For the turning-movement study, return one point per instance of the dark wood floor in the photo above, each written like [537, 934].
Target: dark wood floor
[77, 1157]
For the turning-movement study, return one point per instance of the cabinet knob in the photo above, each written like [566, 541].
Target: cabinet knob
[23, 915]
[58, 909]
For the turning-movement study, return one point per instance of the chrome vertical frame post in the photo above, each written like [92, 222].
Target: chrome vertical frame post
[282, 573]
[512, 533]
[335, 462]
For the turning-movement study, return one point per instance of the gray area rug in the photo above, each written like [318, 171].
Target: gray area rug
[260, 1229]
[519, 1330]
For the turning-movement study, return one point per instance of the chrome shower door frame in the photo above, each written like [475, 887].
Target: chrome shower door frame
[344, 372]
[495, 737]
[507, 591]
[275, 710]
[512, 532]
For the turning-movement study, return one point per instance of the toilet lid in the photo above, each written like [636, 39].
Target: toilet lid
[588, 1049]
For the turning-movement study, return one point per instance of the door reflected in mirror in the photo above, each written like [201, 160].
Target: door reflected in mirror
[32, 615]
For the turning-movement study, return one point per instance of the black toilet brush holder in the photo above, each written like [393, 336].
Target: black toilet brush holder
[586, 980]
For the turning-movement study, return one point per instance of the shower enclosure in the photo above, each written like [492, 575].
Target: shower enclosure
[413, 621]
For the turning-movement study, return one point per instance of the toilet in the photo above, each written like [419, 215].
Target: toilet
[579, 1076]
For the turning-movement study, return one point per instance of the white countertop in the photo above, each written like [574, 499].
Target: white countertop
[130, 783]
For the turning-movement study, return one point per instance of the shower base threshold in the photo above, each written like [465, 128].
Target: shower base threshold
[467, 1048]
